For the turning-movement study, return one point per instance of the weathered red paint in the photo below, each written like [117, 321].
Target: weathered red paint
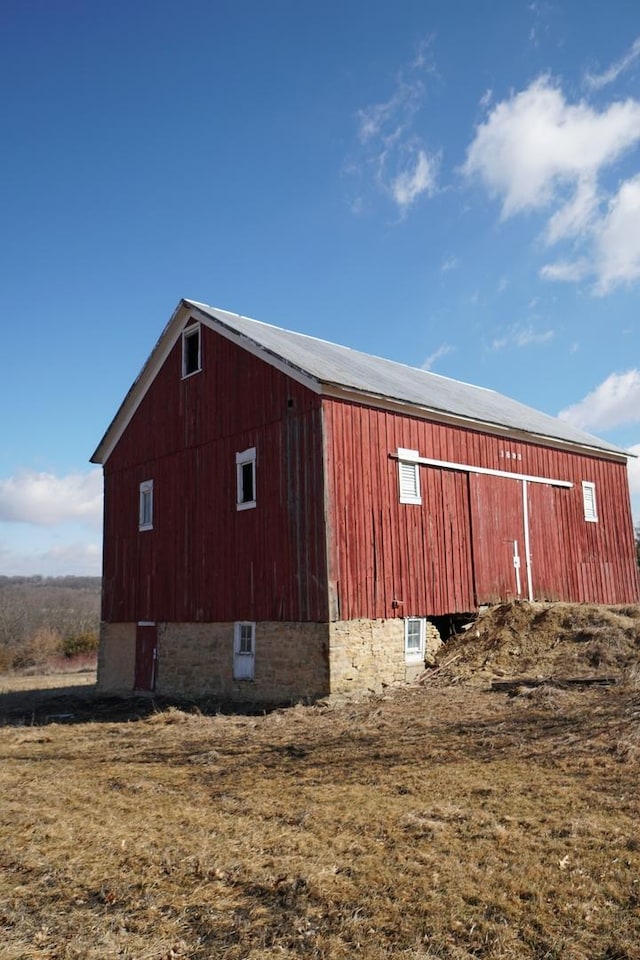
[204, 560]
[455, 551]
[329, 538]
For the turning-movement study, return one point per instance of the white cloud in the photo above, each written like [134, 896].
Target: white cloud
[442, 351]
[46, 499]
[537, 151]
[390, 151]
[522, 337]
[575, 216]
[614, 402]
[535, 147]
[596, 81]
[633, 466]
[449, 264]
[71, 559]
[566, 271]
[384, 120]
[418, 178]
[486, 98]
[617, 239]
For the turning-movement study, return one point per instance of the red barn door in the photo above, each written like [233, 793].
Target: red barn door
[146, 656]
[497, 524]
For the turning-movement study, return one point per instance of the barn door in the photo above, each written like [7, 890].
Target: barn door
[146, 656]
[497, 524]
[548, 558]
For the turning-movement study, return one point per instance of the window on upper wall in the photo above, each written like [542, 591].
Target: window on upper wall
[191, 350]
[246, 479]
[145, 506]
[409, 476]
[589, 501]
[414, 633]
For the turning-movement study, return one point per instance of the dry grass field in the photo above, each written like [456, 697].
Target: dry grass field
[442, 820]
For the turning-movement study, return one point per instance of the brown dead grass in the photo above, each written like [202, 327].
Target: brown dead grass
[544, 640]
[439, 821]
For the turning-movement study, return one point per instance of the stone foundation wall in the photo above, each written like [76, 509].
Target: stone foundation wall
[196, 659]
[116, 657]
[366, 655]
[293, 661]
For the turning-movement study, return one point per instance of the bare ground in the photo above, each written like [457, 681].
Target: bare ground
[441, 820]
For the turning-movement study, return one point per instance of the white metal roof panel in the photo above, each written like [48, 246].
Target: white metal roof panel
[335, 365]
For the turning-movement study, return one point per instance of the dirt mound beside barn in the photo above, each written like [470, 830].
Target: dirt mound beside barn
[544, 641]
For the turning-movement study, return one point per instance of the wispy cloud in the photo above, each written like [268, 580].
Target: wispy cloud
[450, 263]
[522, 336]
[442, 351]
[45, 499]
[596, 81]
[616, 401]
[390, 150]
[565, 270]
[418, 178]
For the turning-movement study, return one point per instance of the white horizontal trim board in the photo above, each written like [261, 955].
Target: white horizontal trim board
[409, 456]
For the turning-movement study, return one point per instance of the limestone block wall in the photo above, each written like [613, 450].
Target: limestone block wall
[292, 660]
[367, 655]
[196, 659]
[116, 658]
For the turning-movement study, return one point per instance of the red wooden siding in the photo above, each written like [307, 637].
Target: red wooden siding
[456, 549]
[204, 560]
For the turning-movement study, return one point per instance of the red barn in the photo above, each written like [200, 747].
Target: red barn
[284, 516]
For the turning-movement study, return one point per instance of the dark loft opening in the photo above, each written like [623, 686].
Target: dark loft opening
[247, 483]
[191, 352]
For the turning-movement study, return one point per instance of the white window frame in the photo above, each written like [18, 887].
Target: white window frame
[589, 502]
[247, 457]
[411, 655]
[192, 330]
[145, 505]
[409, 476]
[244, 660]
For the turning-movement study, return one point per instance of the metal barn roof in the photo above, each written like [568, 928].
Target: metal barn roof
[333, 365]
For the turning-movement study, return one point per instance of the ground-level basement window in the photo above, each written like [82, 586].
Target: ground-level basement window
[409, 476]
[244, 650]
[246, 479]
[414, 634]
[145, 514]
[191, 351]
[589, 501]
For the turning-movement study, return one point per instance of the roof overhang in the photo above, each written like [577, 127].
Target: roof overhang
[189, 310]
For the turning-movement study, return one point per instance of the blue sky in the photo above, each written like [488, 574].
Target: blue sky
[454, 185]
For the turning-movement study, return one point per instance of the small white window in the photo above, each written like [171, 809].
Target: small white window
[145, 514]
[244, 650]
[246, 479]
[589, 501]
[409, 476]
[191, 351]
[414, 632]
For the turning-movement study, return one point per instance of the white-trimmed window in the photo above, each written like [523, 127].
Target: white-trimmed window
[409, 476]
[414, 633]
[191, 350]
[589, 501]
[145, 506]
[244, 650]
[246, 479]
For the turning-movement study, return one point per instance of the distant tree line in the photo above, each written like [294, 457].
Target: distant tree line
[47, 618]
